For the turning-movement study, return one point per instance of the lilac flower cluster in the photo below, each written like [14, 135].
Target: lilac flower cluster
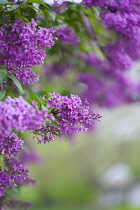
[19, 115]
[107, 85]
[67, 36]
[11, 177]
[113, 5]
[47, 133]
[22, 47]
[71, 114]
[109, 92]
[121, 17]
[11, 146]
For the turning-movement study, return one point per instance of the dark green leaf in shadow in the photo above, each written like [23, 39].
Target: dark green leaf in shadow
[16, 82]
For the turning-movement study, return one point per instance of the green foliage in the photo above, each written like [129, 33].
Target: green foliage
[16, 82]
[3, 2]
[34, 97]
[38, 2]
[3, 73]
[2, 94]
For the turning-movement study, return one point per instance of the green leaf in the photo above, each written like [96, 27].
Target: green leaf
[34, 97]
[54, 123]
[2, 94]
[53, 15]
[3, 73]
[3, 2]
[31, 13]
[38, 2]
[1, 21]
[16, 82]
[10, 94]
[28, 5]
[43, 107]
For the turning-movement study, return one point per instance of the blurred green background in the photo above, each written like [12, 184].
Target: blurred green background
[98, 170]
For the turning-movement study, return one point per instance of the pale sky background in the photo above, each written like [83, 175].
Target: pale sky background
[52, 1]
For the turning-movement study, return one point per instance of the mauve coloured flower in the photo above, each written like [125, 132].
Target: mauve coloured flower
[22, 47]
[10, 147]
[67, 36]
[19, 115]
[11, 177]
[70, 113]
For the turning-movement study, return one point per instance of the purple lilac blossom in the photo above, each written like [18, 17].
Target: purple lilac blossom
[121, 17]
[67, 36]
[117, 58]
[109, 92]
[11, 146]
[11, 177]
[108, 78]
[47, 133]
[71, 114]
[22, 47]
[19, 115]
[64, 115]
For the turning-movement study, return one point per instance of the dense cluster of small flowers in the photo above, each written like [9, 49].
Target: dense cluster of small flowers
[113, 5]
[71, 114]
[122, 17]
[67, 36]
[19, 115]
[22, 47]
[109, 79]
[47, 133]
[109, 92]
[109, 84]
[64, 115]
[10, 147]
[11, 177]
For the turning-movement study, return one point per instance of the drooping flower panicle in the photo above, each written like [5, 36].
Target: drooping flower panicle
[22, 48]
[71, 114]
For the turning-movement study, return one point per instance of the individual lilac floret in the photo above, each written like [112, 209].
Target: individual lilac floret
[10, 147]
[22, 47]
[71, 114]
[67, 36]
